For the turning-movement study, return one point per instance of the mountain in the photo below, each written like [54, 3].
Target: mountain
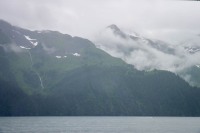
[149, 54]
[156, 44]
[47, 73]
[192, 74]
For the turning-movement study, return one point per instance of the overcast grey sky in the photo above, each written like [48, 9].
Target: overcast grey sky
[153, 18]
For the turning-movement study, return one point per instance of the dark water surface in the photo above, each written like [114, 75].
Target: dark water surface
[99, 125]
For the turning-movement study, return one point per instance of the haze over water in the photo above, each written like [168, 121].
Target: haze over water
[99, 125]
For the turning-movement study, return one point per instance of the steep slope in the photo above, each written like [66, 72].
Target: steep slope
[50, 73]
[38, 67]
[124, 91]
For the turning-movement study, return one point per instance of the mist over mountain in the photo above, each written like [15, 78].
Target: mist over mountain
[148, 54]
[45, 73]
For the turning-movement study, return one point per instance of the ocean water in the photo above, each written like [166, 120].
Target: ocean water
[99, 125]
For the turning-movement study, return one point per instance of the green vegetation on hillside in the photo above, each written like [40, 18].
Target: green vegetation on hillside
[50, 79]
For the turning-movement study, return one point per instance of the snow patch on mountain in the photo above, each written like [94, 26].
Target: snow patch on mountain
[28, 38]
[24, 47]
[76, 54]
[58, 57]
[35, 43]
[32, 41]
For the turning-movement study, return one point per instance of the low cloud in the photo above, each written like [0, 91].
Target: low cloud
[145, 57]
[49, 50]
[12, 48]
